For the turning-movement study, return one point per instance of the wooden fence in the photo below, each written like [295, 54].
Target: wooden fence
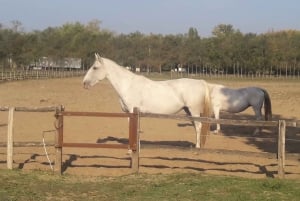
[280, 124]
[133, 138]
[133, 132]
[10, 131]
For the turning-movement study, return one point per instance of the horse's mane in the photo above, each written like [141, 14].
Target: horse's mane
[114, 64]
[111, 62]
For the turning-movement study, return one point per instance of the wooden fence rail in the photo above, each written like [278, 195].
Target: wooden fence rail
[133, 138]
[234, 122]
[133, 135]
[32, 109]
[11, 110]
[280, 124]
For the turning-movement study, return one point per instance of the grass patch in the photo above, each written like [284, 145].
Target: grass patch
[36, 185]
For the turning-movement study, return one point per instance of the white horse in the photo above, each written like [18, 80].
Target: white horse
[164, 97]
[238, 100]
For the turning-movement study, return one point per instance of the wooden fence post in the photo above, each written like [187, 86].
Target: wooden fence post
[10, 142]
[59, 141]
[134, 140]
[281, 148]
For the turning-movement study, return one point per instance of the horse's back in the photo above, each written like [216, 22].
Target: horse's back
[235, 100]
[184, 83]
[188, 87]
[191, 91]
[168, 96]
[253, 94]
[217, 94]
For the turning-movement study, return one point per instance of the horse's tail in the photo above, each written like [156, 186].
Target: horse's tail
[267, 106]
[206, 113]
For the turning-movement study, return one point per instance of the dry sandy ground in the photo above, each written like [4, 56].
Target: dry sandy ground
[167, 145]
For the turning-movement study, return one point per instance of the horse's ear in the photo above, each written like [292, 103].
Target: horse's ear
[98, 57]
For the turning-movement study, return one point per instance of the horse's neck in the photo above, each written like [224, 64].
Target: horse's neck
[120, 78]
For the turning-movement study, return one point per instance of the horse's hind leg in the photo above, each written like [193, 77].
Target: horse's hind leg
[196, 124]
[258, 116]
[217, 116]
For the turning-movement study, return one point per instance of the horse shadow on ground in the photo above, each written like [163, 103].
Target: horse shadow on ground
[184, 144]
[218, 166]
[266, 140]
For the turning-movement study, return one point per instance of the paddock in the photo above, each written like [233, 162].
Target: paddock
[167, 144]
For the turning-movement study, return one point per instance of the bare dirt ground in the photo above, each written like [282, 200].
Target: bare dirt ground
[167, 145]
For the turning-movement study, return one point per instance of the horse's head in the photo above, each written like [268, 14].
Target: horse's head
[96, 73]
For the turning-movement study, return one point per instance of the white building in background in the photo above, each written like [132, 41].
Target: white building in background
[51, 63]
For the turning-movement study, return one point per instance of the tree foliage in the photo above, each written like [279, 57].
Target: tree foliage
[226, 50]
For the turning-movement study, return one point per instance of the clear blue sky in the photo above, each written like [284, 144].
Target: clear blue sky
[155, 16]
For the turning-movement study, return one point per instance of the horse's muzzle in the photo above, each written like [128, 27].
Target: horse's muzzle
[86, 85]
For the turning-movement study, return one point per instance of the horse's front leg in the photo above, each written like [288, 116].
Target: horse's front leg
[198, 127]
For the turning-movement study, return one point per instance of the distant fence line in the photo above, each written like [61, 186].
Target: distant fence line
[38, 74]
[55, 73]
[234, 76]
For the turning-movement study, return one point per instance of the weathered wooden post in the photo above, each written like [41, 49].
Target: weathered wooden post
[281, 148]
[59, 140]
[134, 140]
[10, 141]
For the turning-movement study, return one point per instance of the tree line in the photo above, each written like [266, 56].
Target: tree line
[227, 50]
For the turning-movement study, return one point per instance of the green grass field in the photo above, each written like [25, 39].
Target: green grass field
[37, 185]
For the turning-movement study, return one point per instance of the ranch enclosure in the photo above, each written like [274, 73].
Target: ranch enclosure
[166, 145]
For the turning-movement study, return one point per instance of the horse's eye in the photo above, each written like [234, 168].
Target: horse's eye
[95, 68]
